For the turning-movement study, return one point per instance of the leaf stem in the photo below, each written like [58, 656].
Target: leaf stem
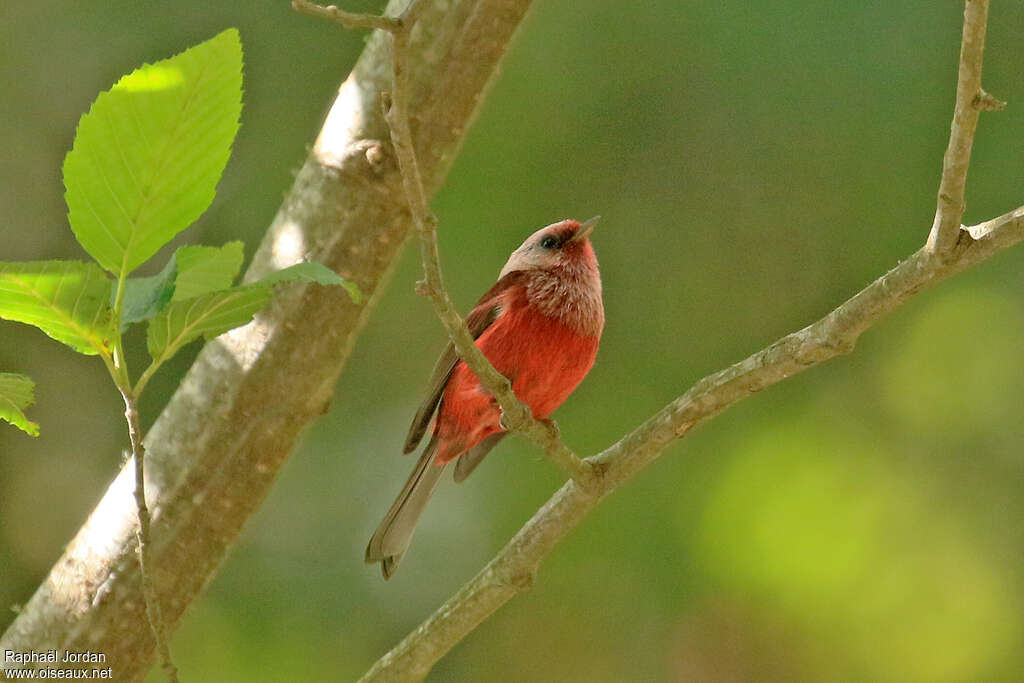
[118, 369]
[144, 378]
[120, 366]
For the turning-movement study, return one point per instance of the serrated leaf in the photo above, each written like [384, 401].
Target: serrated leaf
[204, 316]
[148, 155]
[17, 392]
[190, 272]
[215, 313]
[144, 297]
[202, 270]
[67, 300]
[310, 271]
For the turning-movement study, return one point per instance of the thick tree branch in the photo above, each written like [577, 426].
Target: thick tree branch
[971, 100]
[214, 453]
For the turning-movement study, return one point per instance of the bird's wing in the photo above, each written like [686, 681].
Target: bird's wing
[483, 315]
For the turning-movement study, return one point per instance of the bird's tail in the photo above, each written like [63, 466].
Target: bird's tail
[391, 539]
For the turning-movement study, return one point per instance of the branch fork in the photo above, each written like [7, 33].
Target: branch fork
[971, 100]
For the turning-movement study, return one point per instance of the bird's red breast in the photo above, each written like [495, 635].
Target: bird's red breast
[544, 338]
[544, 356]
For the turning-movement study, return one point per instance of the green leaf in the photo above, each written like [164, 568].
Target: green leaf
[67, 300]
[311, 271]
[204, 316]
[148, 155]
[17, 392]
[190, 272]
[217, 312]
[144, 297]
[202, 270]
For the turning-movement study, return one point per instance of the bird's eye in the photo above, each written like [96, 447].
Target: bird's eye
[549, 242]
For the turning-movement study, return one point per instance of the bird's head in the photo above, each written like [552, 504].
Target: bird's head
[565, 244]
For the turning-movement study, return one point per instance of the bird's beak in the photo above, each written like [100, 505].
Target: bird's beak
[586, 227]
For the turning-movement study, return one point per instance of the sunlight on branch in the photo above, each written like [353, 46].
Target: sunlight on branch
[289, 246]
[246, 343]
[111, 526]
[345, 122]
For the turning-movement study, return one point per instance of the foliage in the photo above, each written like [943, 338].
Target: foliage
[145, 163]
[751, 175]
[17, 392]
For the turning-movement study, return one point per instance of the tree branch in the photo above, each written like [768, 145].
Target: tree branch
[514, 567]
[971, 100]
[516, 415]
[346, 19]
[214, 452]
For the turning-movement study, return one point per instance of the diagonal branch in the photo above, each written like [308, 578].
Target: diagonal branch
[513, 568]
[971, 100]
[516, 415]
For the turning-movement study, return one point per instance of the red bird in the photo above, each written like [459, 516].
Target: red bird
[540, 326]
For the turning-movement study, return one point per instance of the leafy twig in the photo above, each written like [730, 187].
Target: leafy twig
[119, 374]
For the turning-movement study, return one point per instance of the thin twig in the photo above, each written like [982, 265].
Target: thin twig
[346, 19]
[514, 567]
[156, 622]
[516, 415]
[970, 101]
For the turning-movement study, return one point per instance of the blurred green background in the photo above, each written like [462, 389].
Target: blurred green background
[755, 164]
